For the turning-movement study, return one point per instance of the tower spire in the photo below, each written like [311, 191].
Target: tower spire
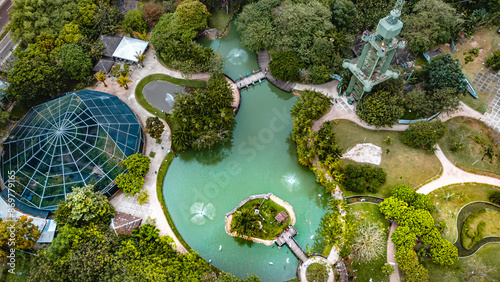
[396, 12]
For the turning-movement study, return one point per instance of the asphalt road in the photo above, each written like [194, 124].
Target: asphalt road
[4, 13]
[5, 46]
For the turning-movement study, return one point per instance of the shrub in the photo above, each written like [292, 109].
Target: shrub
[154, 126]
[495, 197]
[405, 193]
[143, 197]
[387, 269]
[361, 178]
[494, 61]
[285, 66]
[423, 134]
[469, 59]
[380, 108]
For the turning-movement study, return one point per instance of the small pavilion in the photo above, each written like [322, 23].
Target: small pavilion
[281, 217]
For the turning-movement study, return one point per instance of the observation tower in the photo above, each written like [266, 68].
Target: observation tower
[373, 66]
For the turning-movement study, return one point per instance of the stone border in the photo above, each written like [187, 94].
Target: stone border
[229, 217]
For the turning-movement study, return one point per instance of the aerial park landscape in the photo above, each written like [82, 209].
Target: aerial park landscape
[251, 141]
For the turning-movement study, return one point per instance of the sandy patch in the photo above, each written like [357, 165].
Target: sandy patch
[364, 153]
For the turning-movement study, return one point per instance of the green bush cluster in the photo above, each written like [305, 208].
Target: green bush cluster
[362, 178]
[475, 234]
[411, 211]
[494, 61]
[423, 134]
[132, 181]
[495, 197]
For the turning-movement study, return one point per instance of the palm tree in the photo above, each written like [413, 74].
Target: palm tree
[123, 80]
[142, 36]
[101, 77]
[140, 57]
[245, 222]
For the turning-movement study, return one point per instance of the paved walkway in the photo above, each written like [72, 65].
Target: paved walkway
[391, 251]
[453, 175]
[313, 259]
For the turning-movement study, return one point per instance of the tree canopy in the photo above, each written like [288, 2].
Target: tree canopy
[192, 14]
[445, 72]
[26, 235]
[132, 181]
[423, 134]
[84, 207]
[74, 61]
[380, 108]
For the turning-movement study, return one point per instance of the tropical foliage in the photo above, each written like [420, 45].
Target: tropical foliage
[84, 207]
[415, 222]
[155, 127]
[362, 178]
[494, 61]
[369, 242]
[423, 134]
[132, 181]
[203, 118]
[445, 72]
[380, 108]
[26, 235]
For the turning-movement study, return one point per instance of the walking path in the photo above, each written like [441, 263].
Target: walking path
[286, 237]
[263, 60]
[391, 251]
[453, 175]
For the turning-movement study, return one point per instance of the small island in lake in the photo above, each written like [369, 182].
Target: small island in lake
[260, 218]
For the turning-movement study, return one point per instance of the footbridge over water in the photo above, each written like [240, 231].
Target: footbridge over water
[251, 79]
[286, 237]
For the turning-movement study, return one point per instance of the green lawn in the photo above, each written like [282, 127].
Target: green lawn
[403, 164]
[472, 155]
[268, 209]
[449, 200]
[163, 77]
[220, 20]
[491, 218]
[487, 257]
[365, 271]
[478, 104]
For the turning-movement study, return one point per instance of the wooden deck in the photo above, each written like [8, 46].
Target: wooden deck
[286, 237]
[251, 79]
[263, 60]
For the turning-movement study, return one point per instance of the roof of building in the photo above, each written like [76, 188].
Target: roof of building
[280, 217]
[110, 43]
[125, 223]
[76, 139]
[129, 48]
[103, 65]
[48, 232]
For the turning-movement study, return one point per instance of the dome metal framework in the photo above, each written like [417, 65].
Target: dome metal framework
[76, 139]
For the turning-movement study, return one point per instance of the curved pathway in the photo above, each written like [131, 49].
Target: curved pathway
[463, 214]
[302, 269]
[453, 175]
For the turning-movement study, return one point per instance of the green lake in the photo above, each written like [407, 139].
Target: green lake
[201, 187]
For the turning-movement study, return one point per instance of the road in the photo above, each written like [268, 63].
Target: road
[4, 13]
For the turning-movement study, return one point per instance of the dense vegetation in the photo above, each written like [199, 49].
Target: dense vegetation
[411, 211]
[154, 127]
[132, 181]
[300, 32]
[203, 118]
[423, 134]
[62, 45]
[26, 232]
[364, 178]
[262, 225]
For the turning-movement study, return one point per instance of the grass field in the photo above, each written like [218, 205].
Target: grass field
[491, 218]
[371, 270]
[486, 258]
[472, 155]
[449, 200]
[403, 164]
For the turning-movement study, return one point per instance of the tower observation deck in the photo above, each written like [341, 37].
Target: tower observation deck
[373, 66]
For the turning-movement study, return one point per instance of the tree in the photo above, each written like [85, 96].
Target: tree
[74, 61]
[134, 22]
[393, 207]
[245, 222]
[405, 193]
[25, 235]
[423, 134]
[101, 77]
[360, 178]
[137, 164]
[155, 127]
[140, 58]
[445, 72]
[380, 108]
[495, 197]
[285, 66]
[84, 207]
[343, 13]
[423, 202]
[444, 253]
[192, 14]
[494, 61]
[137, 167]
[123, 81]
[369, 242]
[417, 273]
[403, 237]
[33, 77]
[317, 272]
[432, 22]
[152, 13]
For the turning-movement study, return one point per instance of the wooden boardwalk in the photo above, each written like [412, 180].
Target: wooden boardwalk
[263, 60]
[286, 237]
[251, 79]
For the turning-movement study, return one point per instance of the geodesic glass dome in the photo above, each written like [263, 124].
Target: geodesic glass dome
[76, 139]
